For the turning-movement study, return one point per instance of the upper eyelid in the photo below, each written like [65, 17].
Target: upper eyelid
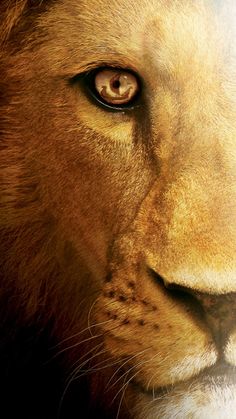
[93, 65]
[92, 68]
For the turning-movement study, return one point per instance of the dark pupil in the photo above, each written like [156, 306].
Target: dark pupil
[116, 84]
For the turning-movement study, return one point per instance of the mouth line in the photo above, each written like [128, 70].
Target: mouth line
[219, 374]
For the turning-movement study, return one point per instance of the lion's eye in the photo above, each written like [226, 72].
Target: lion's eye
[114, 88]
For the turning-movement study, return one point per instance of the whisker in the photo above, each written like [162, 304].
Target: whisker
[156, 373]
[121, 399]
[126, 362]
[89, 315]
[75, 366]
[80, 333]
[73, 377]
[94, 369]
[74, 346]
[126, 384]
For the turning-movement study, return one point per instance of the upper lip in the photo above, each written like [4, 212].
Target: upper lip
[220, 373]
[221, 370]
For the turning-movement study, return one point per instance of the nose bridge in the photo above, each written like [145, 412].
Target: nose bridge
[193, 210]
[200, 175]
[192, 206]
[197, 152]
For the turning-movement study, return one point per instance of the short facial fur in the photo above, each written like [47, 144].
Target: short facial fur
[118, 229]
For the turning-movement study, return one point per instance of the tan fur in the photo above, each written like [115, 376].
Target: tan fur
[118, 230]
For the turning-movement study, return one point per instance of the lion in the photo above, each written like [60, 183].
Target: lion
[118, 206]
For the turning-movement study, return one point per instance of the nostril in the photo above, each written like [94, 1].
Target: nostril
[218, 311]
[182, 295]
[156, 277]
[175, 289]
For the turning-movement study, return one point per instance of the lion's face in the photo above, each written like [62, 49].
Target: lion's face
[125, 215]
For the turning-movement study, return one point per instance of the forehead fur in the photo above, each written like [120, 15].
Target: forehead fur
[125, 23]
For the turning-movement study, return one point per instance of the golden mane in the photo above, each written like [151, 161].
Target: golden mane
[11, 12]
